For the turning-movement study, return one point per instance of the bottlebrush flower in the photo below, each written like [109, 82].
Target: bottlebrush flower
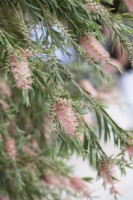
[4, 198]
[11, 128]
[66, 116]
[114, 191]
[21, 72]
[29, 151]
[79, 186]
[10, 148]
[107, 172]
[129, 4]
[94, 49]
[112, 66]
[35, 144]
[46, 127]
[4, 105]
[53, 179]
[129, 146]
[97, 8]
[87, 86]
[5, 91]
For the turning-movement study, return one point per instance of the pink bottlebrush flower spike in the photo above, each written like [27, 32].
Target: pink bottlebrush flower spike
[4, 105]
[66, 116]
[107, 172]
[46, 127]
[94, 49]
[129, 146]
[35, 144]
[29, 151]
[88, 87]
[10, 148]
[129, 4]
[79, 186]
[4, 198]
[53, 179]
[114, 191]
[5, 91]
[21, 72]
[112, 66]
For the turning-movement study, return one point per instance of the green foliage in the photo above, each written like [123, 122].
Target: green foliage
[31, 114]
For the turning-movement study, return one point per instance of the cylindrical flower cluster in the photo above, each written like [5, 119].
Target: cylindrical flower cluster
[4, 105]
[20, 70]
[10, 148]
[112, 66]
[129, 146]
[107, 171]
[66, 116]
[5, 91]
[46, 128]
[94, 49]
[96, 8]
[79, 186]
[29, 151]
[88, 87]
[4, 198]
[114, 191]
[129, 4]
[55, 180]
